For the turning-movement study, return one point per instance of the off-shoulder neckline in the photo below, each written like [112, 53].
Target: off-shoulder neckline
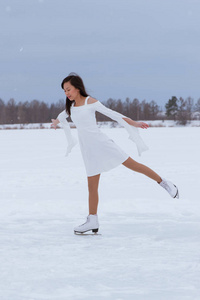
[85, 105]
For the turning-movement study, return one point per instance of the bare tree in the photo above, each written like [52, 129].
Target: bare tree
[145, 110]
[153, 110]
[197, 106]
[127, 108]
[2, 112]
[11, 112]
[135, 109]
[189, 107]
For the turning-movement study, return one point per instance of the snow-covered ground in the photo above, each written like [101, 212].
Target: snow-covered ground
[149, 247]
[109, 124]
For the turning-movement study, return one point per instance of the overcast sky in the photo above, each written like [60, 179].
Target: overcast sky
[145, 49]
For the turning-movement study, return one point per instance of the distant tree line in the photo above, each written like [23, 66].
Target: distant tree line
[178, 109]
[29, 112]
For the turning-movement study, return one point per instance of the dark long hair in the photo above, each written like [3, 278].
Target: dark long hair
[77, 82]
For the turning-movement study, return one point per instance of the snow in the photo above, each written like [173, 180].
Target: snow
[149, 247]
[153, 123]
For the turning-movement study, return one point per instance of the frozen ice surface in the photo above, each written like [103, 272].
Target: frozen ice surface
[150, 243]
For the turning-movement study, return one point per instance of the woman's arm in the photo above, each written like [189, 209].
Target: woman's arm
[127, 123]
[61, 118]
[55, 122]
[136, 124]
[115, 115]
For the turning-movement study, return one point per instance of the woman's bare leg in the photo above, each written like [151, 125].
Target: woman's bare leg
[137, 167]
[93, 183]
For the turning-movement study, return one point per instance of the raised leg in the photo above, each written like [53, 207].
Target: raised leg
[93, 183]
[137, 167]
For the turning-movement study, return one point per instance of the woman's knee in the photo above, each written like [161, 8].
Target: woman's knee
[129, 162]
[132, 164]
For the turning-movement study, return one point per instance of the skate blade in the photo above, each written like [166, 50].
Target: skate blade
[177, 193]
[85, 233]
[94, 232]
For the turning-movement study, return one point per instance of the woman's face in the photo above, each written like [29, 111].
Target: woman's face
[70, 91]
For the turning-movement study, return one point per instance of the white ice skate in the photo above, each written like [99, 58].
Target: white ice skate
[170, 188]
[91, 224]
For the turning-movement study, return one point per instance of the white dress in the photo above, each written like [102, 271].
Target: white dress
[99, 152]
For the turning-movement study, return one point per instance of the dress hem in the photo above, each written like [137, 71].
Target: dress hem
[110, 168]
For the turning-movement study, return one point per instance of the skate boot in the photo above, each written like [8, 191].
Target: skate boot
[170, 188]
[91, 224]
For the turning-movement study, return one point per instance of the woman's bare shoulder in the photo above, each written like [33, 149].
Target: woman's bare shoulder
[92, 100]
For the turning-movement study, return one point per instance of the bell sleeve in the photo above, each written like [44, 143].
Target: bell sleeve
[132, 131]
[71, 141]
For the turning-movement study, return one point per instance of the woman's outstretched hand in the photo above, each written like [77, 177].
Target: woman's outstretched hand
[136, 124]
[54, 123]
[142, 125]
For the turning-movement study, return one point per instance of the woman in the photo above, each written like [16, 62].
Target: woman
[99, 152]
